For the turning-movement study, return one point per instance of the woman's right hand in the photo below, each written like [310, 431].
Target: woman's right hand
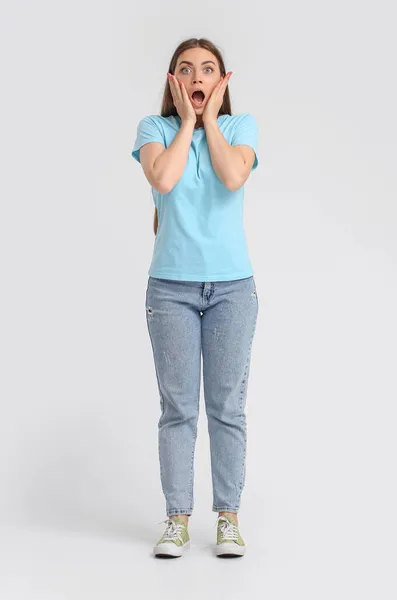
[181, 99]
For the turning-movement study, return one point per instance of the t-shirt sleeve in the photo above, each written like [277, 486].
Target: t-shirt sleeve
[148, 130]
[246, 132]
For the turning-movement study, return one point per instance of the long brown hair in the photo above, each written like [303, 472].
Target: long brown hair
[167, 106]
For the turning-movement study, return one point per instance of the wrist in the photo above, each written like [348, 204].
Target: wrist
[188, 123]
[210, 121]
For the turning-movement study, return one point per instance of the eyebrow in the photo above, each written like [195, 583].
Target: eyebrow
[191, 64]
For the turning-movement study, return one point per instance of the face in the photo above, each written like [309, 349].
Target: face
[198, 68]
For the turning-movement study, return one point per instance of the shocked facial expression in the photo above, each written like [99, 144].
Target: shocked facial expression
[199, 70]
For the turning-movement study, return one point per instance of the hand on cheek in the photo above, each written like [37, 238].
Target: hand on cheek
[215, 100]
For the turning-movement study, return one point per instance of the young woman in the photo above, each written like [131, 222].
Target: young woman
[201, 295]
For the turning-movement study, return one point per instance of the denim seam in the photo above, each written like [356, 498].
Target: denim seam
[161, 406]
[179, 511]
[192, 467]
[243, 395]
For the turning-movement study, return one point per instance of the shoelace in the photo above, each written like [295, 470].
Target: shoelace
[229, 530]
[173, 530]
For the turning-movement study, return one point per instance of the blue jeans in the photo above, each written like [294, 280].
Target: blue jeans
[216, 319]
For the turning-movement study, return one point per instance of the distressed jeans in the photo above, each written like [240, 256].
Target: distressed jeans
[187, 319]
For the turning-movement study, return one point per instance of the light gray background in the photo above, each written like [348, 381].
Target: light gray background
[81, 500]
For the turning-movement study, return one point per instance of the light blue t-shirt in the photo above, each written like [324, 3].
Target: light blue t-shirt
[200, 235]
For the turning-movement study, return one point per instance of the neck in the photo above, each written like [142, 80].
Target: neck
[199, 122]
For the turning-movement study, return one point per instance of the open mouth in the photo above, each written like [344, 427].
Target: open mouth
[198, 98]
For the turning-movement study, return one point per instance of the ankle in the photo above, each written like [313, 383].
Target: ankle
[228, 513]
[183, 516]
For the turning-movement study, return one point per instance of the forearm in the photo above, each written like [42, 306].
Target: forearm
[227, 161]
[168, 168]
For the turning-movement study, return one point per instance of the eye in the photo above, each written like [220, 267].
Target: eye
[183, 68]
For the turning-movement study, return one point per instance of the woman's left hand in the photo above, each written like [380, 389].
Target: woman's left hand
[215, 101]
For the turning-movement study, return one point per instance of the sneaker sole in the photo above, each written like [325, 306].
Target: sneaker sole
[170, 550]
[229, 549]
